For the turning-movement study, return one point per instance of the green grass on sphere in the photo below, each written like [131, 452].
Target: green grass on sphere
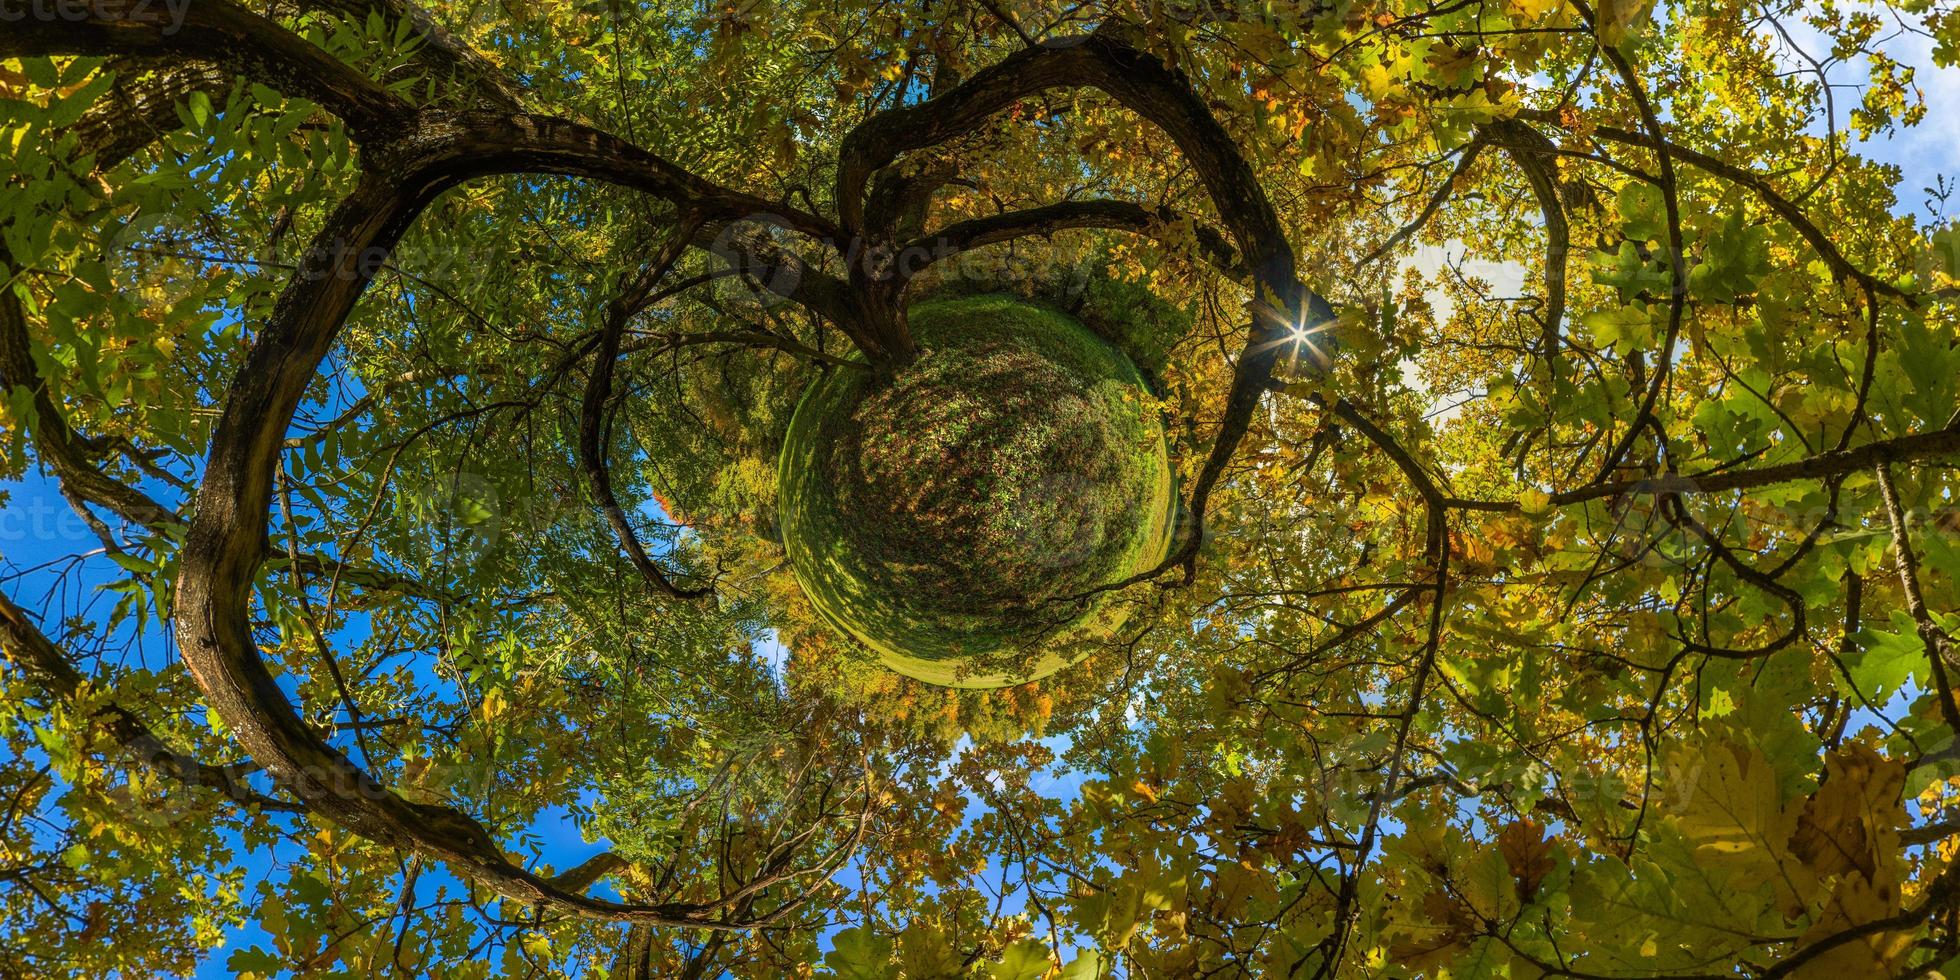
[945, 516]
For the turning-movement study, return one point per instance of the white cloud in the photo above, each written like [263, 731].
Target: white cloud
[1920, 152]
[1506, 278]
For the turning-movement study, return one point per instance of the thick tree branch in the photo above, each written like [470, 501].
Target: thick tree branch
[1136, 78]
[1535, 155]
[1944, 443]
[58, 446]
[227, 35]
[142, 106]
[1677, 257]
[588, 872]
[1938, 643]
[440, 53]
[1164, 96]
[39, 658]
[465, 145]
[898, 201]
[225, 543]
[68, 455]
[1940, 444]
[598, 393]
[220, 32]
[880, 139]
[1046, 220]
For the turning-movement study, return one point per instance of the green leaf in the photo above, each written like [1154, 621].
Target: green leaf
[200, 105]
[858, 953]
[1627, 329]
[1643, 212]
[132, 564]
[41, 72]
[1088, 966]
[255, 961]
[1627, 270]
[1025, 960]
[471, 512]
[1886, 660]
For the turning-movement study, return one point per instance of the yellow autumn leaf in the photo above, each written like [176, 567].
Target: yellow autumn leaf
[1851, 823]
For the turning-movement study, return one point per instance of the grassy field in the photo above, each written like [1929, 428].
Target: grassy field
[943, 517]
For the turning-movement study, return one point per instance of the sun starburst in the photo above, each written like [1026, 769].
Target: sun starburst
[1298, 334]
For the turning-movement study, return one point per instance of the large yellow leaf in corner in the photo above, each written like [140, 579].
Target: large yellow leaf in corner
[1853, 903]
[1849, 829]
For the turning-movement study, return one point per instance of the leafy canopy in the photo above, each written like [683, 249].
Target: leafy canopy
[393, 401]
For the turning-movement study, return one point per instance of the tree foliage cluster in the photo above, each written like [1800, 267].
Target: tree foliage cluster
[415, 379]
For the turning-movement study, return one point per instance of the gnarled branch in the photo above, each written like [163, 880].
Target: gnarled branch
[220, 32]
[440, 54]
[1111, 215]
[598, 392]
[1535, 155]
[42, 660]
